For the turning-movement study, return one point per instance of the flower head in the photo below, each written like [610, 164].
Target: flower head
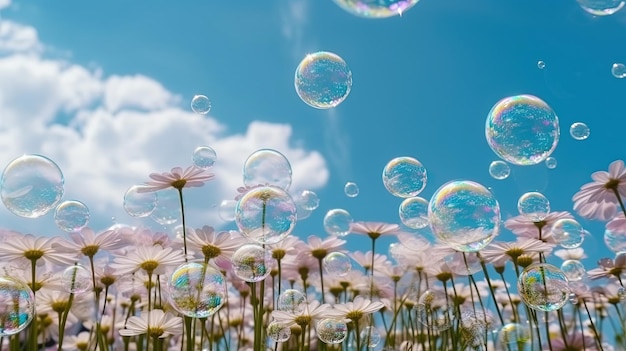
[151, 259]
[177, 179]
[358, 308]
[374, 229]
[155, 323]
[599, 199]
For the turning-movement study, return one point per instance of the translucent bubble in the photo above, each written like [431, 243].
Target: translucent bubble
[323, 80]
[71, 216]
[266, 214]
[370, 337]
[197, 290]
[574, 270]
[278, 332]
[76, 279]
[464, 215]
[337, 264]
[376, 8]
[579, 131]
[413, 212]
[618, 70]
[204, 157]
[291, 300]
[404, 177]
[499, 170]
[351, 189]
[337, 222]
[615, 241]
[433, 310]
[534, 206]
[568, 233]
[332, 331]
[200, 104]
[522, 130]
[17, 306]
[167, 210]
[226, 210]
[267, 167]
[541, 64]
[307, 199]
[515, 336]
[252, 263]
[31, 185]
[139, 204]
[475, 325]
[551, 163]
[543, 287]
[601, 7]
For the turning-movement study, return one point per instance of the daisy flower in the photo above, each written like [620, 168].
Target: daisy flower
[151, 259]
[35, 250]
[617, 224]
[312, 312]
[599, 199]
[319, 248]
[155, 323]
[503, 251]
[524, 226]
[357, 308]
[77, 342]
[88, 243]
[374, 229]
[609, 268]
[177, 179]
[215, 245]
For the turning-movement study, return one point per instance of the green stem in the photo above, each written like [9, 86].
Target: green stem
[182, 215]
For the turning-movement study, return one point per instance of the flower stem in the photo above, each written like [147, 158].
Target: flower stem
[182, 217]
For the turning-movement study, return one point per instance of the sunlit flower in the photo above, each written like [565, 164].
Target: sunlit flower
[312, 312]
[374, 229]
[599, 199]
[151, 259]
[502, 251]
[214, 245]
[524, 226]
[357, 308]
[319, 248]
[177, 179]
[35, 249]
[155, 323]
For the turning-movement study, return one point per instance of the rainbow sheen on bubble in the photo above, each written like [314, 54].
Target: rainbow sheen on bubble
[522, 130]
[323, 80]
[71, 216]
[337, 222]
[618, 70]
[267, 167]
[204, 157]
[266, 214]
[413, 212]
[464, 215]
[534, 206]
[543, 287]
[601, 7]
[139, 204]
[579, 131]
[200, 104]
[404, 177]
[252, 263]
[76, 279]
[568, 233]
[17, 306]
[376, 8]
[332, 330]
[197, 290]
[499, 170]
[337, 264]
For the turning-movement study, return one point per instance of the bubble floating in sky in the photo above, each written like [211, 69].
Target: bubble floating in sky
[579, 131]
[167, 210]
[76, 279]
[267, 167]
[337, 222]
[337, 264]
[71, 216]
[404, 177]
[499, 170]
[332, 331]
[551, 162]
[601, 7]
[568, 233]
[308, 200]
[252, 263]
[464, 215]
[413, 212]
[197, 290]
[323, 80]
[139, 204]
[376, 8]
[522, 130]
[200, 104]
[227, 210]
[204, 157]
[22, 302]
[31, 185]
[618, 70]
[541, 64]
[533, 205]
[543, 287]
[351, 189]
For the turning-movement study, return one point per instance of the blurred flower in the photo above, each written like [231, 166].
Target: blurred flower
[571, 254]
[319, 248]
[177, 179]
[357, 308]
[503, 251]
[312, 312]
[599, 199]
[374, 229]
[617, 224]
[88, 244]
[609, 268]
[155, 323]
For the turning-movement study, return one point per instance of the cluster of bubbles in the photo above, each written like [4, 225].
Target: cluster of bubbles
[200, 104]
[543, 287]
[323, 80]
[579, 131]
[376, 8]
[618, 70]
[197, 290]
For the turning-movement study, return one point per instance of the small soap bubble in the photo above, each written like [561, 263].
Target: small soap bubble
[615, 240]
[252, 263]
[291, 300]
[337, 222]
[19, 297]
[200, 104]
[351, 189]
[278, 332]
[370, 337]
[227, 210]
[413, 212]
[267, 167]
[534, 206]
[307, 199]
[404, 177]
[76, 279]
[204, 157]
[337, 264]
[618, 70]
[551, 163]
[433, 310]
[579, 131]
[323, 80]
[574, 270]
[376, 9]
[568, 233]
[332, 331]
[197, 290]
[167, 210]
[541, 64]
[543, 287]
[601, 7]
[499, 170]
[71, 216]
[138, 203]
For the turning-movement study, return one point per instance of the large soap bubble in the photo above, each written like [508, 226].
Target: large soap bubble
[197, 290]
[323, 80]
[17, 306]
[267, 167]
[376, 8]
[71, 216]
[404, 177]
[543, 287]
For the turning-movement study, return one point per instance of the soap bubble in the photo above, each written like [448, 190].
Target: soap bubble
[31, 185]
[499, 170]
[197, 290]
[433, 310]
[579, 131]
[71, 216]
[351, 189]
[76, 279]
[543, 287]
[464, 215]
[370, 337]
[413, 212]
[278, 332]
[167, 210]
[323, 80]
[522, 130]
[252, 263]
[515, 336]
[618, 70]
[226, 210]
[404, 177]
[337, 264]
[332, 331]
[551, 162]
[200, 104]
[568, 233]
[376, 8]
[601, 7]
[266, 214]
[204, 157]
[541, 64]
[615, 240]
[17, 306]
[267, 167]
[534, 206]
[475, 325]
[308, 200]
[574, 270]
[291, 300]
[139, 204]
[337, 222]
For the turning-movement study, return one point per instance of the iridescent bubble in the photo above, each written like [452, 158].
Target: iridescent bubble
[579, 131]
[31, 185]
[404, 177]
[200, 104]
[433, 310]
[167, 210]
[204, 157]
[337, 264]
[499, 170]
[17, 306]
[551, 163]
[76, 279]
[541, 64]
[534, 206]
[291, 300]
[574, 270]
[376, 8]
[323, 80]
[337, 222]
[615, 240]
[618, 70]
[522, 130]
[278, 332]
[568, 233]
[413, 212]
[227, 210]
[197, 290]
[252, 263]
[71, 216]
[267, 167]
[465, 215]
[370, 337]
[601, 7]
[515, 336]
[139, 204]
[332, 331]
[266, 214]
[307, 199]
[543, 287]
[351, 189]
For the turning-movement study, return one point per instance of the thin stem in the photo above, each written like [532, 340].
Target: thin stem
[182, 215]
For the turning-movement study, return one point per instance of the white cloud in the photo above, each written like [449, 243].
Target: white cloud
[5, 3]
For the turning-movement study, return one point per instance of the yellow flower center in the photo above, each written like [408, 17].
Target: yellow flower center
[90, 250]
[33, 255]
[319, 253]
[303, 320]
[155, 332]
[354, 315]
[211, 251]
[149, 266]
[611, 184]
[179, 183]
[279, 254]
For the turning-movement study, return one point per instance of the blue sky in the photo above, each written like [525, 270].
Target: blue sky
[423, 85]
